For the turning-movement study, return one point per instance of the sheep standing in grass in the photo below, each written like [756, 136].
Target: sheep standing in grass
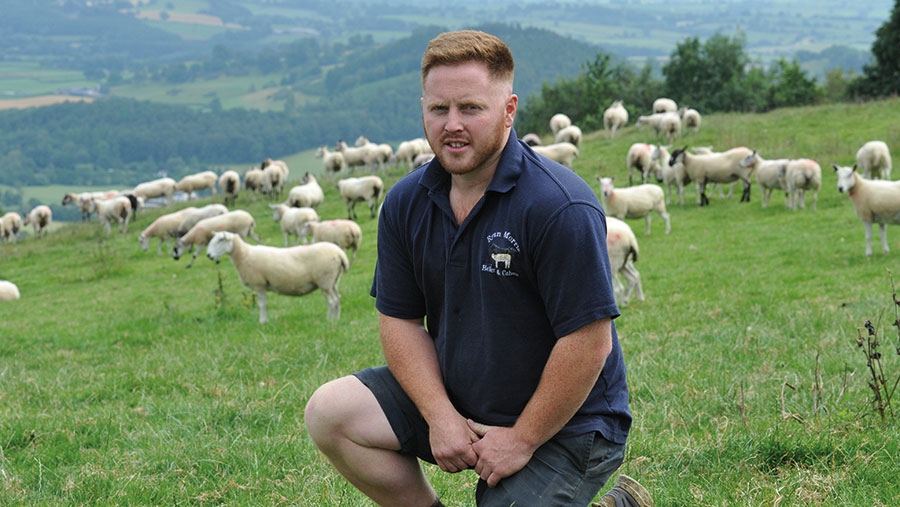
[156, 188]
[664, 105]
[344, 233]
[640, 158]
[196, 182]
[10, 225]
[237, 221]
[564, 153]
[307, 195]
[802, 175]
[332, 161]
[273, 180]
[293, 271]
[558, 122]
[8, 291]
[280, 164]
[570, 134]
[116, 209]
[253, 180]
[230, 183]
[39, 218]
[691, 118]
[163, 228]
[422, 159]
[615, 117]
[668, 124]
[874, 160]
[195, 215]
[354, 190]
[622, 249]
[875, 201]
[769, 174]
[722, 167]
[633, 202]
[531, 139]
[669, 175]
[293, 221]
[365, 155]
[82, 200]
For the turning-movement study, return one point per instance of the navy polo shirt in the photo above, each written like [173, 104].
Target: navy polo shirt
[526, 267]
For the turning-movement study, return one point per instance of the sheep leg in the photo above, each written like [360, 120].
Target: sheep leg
[815, 198]
[868, 226]
[884, 245]
[647, 220]
[287, 241]
[159, 247]
[634, 281]
[261, 300]
[665, 215]
[801, 199]
[745, 197]
[333, 298]
[618, 290]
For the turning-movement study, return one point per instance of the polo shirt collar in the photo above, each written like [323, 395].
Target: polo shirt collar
[505, 177]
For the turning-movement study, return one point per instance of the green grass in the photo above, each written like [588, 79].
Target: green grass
[124, 381]
[27, 79]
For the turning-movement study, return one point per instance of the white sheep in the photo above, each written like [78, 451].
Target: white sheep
[10, 225]
[722, 167]
[366, 155]
[156, 188]
[281, 164]
[558, 122]
[198, 181]
[770, 174]
[640, 157]
[664, 105]
[874, 160]
[691, 118]
[293, 221]
[8, 291]
[633, 202]
[875, 201]
[668, 124]
[253, 180]
[564, 153]
[39, 218]
[802, 175]
[306, 195]
[422, 159]
[237, 221]
[333, 161]
[293, 271]
[614, 117]
[344, 233]
[196, 215]
[163, 228]
[82, 200]
[622, 249]
[354, 190]
[230, 183]
[669, 175]
[116, 209]
[570, 134]
[531, 139]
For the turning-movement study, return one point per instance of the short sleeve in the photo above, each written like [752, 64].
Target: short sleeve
[395, 288]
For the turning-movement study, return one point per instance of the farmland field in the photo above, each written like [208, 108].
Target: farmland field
[127, 379]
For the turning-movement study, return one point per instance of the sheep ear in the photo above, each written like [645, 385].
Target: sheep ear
[834, 166]
[854, 167]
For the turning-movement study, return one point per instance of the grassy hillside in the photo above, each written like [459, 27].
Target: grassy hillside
[127, 379]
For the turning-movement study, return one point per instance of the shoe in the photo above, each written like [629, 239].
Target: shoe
[626, 492]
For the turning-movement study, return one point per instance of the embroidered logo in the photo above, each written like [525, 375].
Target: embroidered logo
[503, 250]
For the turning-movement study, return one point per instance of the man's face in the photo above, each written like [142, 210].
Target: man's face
[466, 116]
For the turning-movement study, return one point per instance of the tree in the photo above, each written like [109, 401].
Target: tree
[791, 86]
[708, 76]
[882, 77]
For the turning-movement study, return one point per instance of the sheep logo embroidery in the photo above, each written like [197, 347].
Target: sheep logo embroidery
[502, 249]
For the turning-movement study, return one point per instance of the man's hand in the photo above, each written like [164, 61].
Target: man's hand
[451, 442]
[501, 452]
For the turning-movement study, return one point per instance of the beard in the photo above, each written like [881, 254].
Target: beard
[481, 153]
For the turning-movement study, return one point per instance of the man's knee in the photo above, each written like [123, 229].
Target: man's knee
[326, 411]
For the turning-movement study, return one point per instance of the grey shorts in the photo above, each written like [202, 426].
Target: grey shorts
[565, 471]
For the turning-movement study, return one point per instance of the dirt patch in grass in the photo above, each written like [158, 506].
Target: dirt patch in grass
[41, 100]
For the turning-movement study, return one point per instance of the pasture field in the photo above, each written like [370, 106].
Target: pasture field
[127, 379]
[28, 79]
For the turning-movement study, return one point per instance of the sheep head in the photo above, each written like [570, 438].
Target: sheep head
[221, 243]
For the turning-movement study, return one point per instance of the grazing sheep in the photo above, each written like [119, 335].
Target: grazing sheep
[253, 180]
[332, 161]
[558, 122]
[531, 139]
[691, 118]
[344, 233]
[875, 201]
[640, 157]
[8, 291]
[407, 152]
[354, 190]
[874, 160]
[10, 225]
[281, 164]
[366, 155]
[156, 188]
[664, 105]
[307, 195]
[622, 249]
[39, 218]
[237, 221]
[163, 228]
[570, 134]
[802, 175]
[614, 117]
[422, 159]
[196, 215]
[668, 124]
[633, 202]
[293, 271]
[230, 183]
[714, 168]
[196, 182]
[273, 180]
[293, 221]
[117, 208]
[82, 200]
[564, 153]
[668, 175]
[769, 174]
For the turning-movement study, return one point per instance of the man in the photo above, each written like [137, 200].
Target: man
[495, 304]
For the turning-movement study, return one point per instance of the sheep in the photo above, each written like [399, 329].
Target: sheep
[570, 134]
[293, 271]
[196, 215]
[531, 139]
[691, 118]
[622, 249]
[716, 167]
[117, 208]
[558, 122]
[156, 188]
[199, 181]
[39, 218]
[367, 188]
[770, 174]
[669, 175]
[564, 153]
[633, 202]
[293, 221]
[802, 175]
[424, 147]
[639, 157]
[230, 183]
[237, 221]
[874, 160]
[344, 233]
[422, 159]
[664, 105]
[8, 291]
[82, 200]
[253, 180]
[307, 195]
[614, 117]
[332, 161]
[10, 225]
[875, 201]
[669, 124]
[365, 155]
[163, 228]
[382, 152]
[281, 164]
[273, 180]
